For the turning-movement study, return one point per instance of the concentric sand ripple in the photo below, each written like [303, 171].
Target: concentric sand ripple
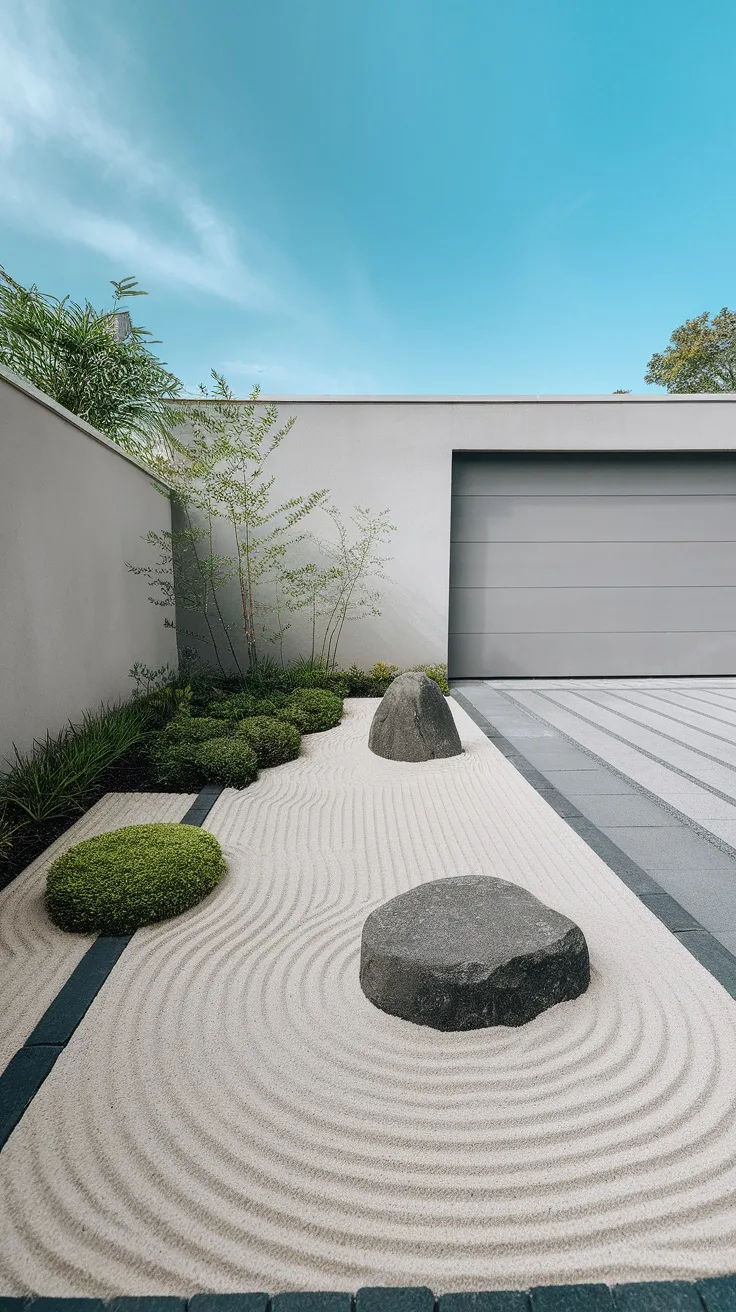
[36, 958]
[234, 1114]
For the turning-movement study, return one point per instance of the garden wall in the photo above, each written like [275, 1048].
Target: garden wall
[73, 508]
[396, 453]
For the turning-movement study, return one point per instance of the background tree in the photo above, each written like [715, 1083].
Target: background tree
[74, 354]
[701, 356]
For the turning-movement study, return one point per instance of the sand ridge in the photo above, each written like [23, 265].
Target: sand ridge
[233, 1114]
[36, 958]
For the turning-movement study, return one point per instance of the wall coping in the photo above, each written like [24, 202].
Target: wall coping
[661, 398]
[22, 385]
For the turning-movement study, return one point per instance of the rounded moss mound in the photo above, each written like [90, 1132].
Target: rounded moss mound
[114, 883]
[273, 741]
[311, 710]
[231, 762]
[234, 707]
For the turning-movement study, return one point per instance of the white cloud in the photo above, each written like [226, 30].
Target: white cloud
[60, 138]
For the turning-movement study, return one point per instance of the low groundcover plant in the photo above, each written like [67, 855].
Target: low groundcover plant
[116, 882]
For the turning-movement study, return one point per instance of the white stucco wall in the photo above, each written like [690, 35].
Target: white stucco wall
[396, 453]
[73, 508]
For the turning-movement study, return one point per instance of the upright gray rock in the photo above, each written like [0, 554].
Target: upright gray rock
[468, 952]
[414, 722]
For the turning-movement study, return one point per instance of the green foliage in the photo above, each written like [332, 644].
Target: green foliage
[339, 592]
[227, 761]
[314, 674]
[161, 691]
[116, 882]
[273, 741]
[701, 356]
[311, 710]
[439, 674]
[188, 729]
[235, 707]
[57, 774]
[72, 353]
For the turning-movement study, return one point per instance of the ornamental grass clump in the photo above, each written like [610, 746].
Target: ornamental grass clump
[117, 882]
[311, 710]
[274, 741]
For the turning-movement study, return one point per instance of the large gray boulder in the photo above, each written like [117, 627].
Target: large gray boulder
[414, 722]
[468, 952]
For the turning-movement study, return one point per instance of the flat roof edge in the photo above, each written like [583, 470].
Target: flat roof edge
[659, 398]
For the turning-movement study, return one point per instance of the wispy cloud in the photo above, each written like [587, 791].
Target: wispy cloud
[146, 217]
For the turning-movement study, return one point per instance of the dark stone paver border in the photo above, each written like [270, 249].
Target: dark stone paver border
[717, 1294]
[27, 1070]
[700, 943]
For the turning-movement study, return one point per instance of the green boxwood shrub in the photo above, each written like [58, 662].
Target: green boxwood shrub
[114, 883]
[227, 761]
[188, 729]
[311, 710]
[273, 741]
[243, 705]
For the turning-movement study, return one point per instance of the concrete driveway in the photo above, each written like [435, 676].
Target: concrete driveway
[650, 763]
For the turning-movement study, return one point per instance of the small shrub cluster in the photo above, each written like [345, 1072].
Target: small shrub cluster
[115, 883]
[192, 751]
[312, 710]
[274, 741]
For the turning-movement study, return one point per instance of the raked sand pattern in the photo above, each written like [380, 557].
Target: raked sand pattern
[36, 958]
[233, 1114]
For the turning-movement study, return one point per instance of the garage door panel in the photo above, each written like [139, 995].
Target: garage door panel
[593, 518]
[614, 655]
[609, 472]
[597, 610]
[575, 564]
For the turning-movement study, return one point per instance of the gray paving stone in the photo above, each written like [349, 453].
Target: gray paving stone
[572, 1298]
[18, 1304]
[148, 1303]
[671, 848]
[497, 1300]
[312, 1302]
[718, 1294]
[228, 1303]
[595, 782]
[381, 1298]
[657, 1296]
[20, 1082]
[564, 757]
[666, 909]
[626, 809]
[711, 954]
[69, 1304]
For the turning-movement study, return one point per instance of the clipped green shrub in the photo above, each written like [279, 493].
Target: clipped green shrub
[233, 707]
[114, 883]
[439, 674]
[231, 762]
[314, 674]
[311, 710]
[273, 741]
[175, 765]
[188, 729]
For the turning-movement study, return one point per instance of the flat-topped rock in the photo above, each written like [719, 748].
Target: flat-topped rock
[414, 721]
[468, 952]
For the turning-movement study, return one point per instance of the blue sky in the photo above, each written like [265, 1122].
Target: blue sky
[401, 196]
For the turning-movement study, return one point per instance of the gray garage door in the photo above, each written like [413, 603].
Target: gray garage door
[593, 565]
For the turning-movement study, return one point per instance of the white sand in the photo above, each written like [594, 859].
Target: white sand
[36, 958]
[233, 1114]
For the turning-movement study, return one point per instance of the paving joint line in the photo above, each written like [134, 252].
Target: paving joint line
[32, 1064]
[715, 840]
[700, 943]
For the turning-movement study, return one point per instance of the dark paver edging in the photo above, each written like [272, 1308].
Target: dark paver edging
[27, 1070]
[712, 1295]
[700, 943]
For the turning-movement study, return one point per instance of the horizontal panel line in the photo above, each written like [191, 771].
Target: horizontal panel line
[591, 542]
[589, 587]
[595, 496]
[591, 633]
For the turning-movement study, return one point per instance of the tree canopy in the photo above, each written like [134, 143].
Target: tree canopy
[701, 356]
[74, 354]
